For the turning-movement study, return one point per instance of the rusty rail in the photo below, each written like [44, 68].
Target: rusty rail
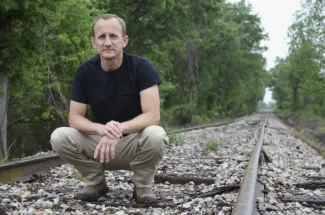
[23, 170]
[246, 197]
[206, 126]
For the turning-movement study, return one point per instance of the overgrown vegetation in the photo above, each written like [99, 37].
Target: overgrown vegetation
[77, 175]
[211, 145]
[208, 54]
[311, 141]
[298, 81]
[5, 159]
[176, 139]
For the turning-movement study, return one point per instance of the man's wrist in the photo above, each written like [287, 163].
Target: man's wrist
[124, 128]
[98, 128]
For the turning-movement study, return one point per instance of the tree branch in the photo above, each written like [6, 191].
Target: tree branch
[48, 74]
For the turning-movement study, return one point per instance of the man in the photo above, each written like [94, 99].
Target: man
[122, 91]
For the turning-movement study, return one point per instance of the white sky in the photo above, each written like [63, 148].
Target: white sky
[276, 16]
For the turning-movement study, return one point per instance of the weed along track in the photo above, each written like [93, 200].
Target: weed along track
[201, 173]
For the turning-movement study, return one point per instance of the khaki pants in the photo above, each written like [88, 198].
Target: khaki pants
[140, 153]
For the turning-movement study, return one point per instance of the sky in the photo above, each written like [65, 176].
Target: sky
[276, 16]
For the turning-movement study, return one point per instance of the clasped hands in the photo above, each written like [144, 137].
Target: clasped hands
[111, 133]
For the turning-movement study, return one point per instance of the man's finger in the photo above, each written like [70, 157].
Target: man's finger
[113, 130]
[102, 154]
[112, 151]
[118, 125]
[97, 149]
[107, 153]
[109, 135]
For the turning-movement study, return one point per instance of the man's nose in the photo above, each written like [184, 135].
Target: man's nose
[108, 41]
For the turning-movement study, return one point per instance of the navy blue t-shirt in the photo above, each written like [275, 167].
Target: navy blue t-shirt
[114, 95]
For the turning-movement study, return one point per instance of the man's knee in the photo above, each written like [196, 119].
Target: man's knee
[59, 137]
[157, 137]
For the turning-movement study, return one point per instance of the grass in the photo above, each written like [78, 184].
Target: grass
[176, 139]
[211, 145]
[77, 175]
[309, 129]
[6, 158]
[299, 135]
[321, 129]
[311, 141]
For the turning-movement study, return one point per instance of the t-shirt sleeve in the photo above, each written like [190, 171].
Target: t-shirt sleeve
[147, 75]
[78, 90]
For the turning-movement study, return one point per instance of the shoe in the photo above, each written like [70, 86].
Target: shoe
[144, 195]
[92, 193]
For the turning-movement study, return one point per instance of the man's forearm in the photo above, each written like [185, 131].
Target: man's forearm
[140, 122]
[83, 124]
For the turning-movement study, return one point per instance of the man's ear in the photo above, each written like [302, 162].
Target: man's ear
[125, 40]
[93, 42]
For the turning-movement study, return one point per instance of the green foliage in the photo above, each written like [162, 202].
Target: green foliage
[6, 158]
[321, 130]
[176, 139]
[208, 54]
[77, 175]
[299, 135]
[211, 145]
[181, 114]
[298, 81]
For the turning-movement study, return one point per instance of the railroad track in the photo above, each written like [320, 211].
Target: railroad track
[28, 169]
[191, 179]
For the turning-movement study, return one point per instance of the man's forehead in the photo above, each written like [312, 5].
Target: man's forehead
[111, 24]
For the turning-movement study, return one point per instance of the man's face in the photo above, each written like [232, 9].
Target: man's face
[108, 39]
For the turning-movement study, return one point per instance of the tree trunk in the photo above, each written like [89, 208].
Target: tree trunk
[295, 90]
[3, 113]
[5, 29]
[191, 71]
[295, 98]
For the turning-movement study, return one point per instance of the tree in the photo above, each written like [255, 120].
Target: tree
[208, 54]
[35, 37]
[298, 79]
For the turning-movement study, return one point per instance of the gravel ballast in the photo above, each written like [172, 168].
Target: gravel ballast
[191, 155]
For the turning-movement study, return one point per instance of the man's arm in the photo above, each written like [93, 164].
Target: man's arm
[78, 120]
[150, 104]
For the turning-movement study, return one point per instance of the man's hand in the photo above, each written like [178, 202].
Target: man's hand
[105, 149]
[112, 130]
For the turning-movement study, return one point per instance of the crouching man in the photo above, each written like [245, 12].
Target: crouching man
[122, 91]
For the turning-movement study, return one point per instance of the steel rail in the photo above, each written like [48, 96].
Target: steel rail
[200, 127]
[246, 197]
[207, 126]
[23, 170]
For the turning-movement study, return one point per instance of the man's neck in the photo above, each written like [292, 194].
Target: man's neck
[111, 64]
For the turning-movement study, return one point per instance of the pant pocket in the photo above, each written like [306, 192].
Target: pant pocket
[78, 148]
